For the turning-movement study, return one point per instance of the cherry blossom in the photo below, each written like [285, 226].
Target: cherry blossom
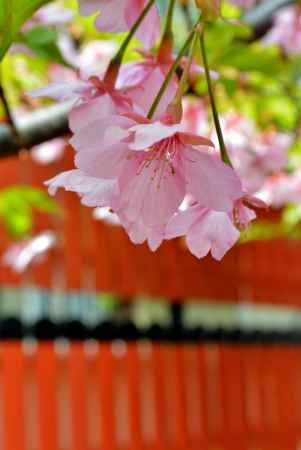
[120, 15]
[286, 30]
[212, 231]
[93, 99]
[256, 155]
[205, 230]
[282, 189]
[22, 254]
[143, 170]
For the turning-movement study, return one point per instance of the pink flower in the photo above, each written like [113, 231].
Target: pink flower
[93, 98]
[286, 30]
[282, 189]
[255, 155]
[49, 15]
[95, 56]
[139, 233]
[49, 151]
[195, 116]
[156, 165]
[22, 254]
[120, 15]
[142, 170]
[145, 79]
[205, 230]
[212, 231]
[94, 192]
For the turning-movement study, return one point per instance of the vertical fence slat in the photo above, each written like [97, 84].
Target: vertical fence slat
[157, 368]
[177, 398]
[248, 396]
[287, 370]
[78, 399]
[47, 376]
[233, 397]
[134, 397]
[13, 393]
[107, 413]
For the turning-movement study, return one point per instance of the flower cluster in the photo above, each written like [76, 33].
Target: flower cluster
[134, 152]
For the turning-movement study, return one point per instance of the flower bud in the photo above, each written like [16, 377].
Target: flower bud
[211, 9]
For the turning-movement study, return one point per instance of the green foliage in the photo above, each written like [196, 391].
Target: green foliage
[43, 42]
[17, 205]
[13, 13]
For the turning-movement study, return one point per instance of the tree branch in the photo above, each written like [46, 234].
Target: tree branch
[35, 128]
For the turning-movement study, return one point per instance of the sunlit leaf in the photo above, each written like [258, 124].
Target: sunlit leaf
[13, 13]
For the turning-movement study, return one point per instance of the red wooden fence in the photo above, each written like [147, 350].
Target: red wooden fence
[92, 255]
[149, 396]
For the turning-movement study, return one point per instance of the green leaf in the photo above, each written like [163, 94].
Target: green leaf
[43, 42]
[13, 13]
[17, 205]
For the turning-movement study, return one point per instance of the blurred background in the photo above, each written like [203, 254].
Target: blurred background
[106, 345]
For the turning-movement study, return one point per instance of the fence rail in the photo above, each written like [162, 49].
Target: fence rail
[90, 396]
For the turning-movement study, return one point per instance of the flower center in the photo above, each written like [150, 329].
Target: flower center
[160, 160]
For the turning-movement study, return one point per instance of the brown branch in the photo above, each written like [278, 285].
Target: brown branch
[33, 129]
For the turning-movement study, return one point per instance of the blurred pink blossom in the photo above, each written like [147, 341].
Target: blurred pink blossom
[49, 151]
[50, 15]
[256, 155]
[286, 30]
[282, 189]
[22, 254]
[120, 15]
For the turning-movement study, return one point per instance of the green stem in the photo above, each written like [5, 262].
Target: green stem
[185, 74]
[170, 74]
[113, 69]
[223, 148]
[167, 31]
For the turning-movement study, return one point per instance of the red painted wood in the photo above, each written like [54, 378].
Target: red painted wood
[199, 397]
[13, 376]
[133, 380]
[47, 389]
[106, 399]
[78, 399]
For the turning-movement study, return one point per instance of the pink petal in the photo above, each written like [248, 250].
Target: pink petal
[61, 91]
[148, 195]
[103, 162]
[146, 91]
[194, 139]
[94, 191]
[214, 184]
[149, 134]
[105, 131]
[180, 223]
[90, 111]
[88, 7]
[72, 180]
[214, 232]
[149, 31]
[112, 18]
